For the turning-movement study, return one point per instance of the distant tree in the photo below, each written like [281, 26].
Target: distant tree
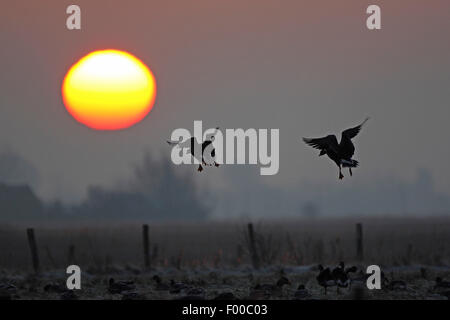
[110, 204]
[15, 170]
[18, 203]
[173, 194]
[155, 191]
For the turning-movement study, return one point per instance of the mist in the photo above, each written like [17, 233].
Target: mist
[157, 190]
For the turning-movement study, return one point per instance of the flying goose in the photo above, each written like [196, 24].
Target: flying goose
[194, 146]
[341, 153]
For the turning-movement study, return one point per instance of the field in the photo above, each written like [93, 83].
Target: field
[206, 259]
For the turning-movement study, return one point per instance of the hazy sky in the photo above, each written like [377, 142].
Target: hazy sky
[308, 68]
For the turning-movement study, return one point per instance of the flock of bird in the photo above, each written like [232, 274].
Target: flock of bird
[339, 277]
[341, 153]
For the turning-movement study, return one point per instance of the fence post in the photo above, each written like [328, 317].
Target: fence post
[146, 246]
[359, 242]
[253, 251]
[33, 249]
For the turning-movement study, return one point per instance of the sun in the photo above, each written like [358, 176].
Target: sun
[109, 90]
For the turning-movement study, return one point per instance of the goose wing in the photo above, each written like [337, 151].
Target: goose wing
[328, 143]
[172, 143]
[353, 132]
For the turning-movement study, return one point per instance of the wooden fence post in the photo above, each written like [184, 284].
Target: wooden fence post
[146, 246]
[33, 249]
[359, 242]
[253, 250]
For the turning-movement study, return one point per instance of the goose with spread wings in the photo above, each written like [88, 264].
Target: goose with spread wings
[341, 153]
[199, 150]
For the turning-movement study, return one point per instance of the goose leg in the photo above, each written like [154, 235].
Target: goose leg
[350, 170]
[340, 173]
[200, 168]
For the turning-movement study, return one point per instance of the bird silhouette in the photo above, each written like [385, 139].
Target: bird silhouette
[341, 153]
[340, 275]
[160, 285]
[177, 287]
[325, 278]
[442, 283]
[302, 293]
[266, 290]
[120, 286]
[206, 158]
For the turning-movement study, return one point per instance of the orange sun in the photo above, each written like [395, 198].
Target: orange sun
[109, 90]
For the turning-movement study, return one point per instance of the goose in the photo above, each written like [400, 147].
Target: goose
[177, 287]
[256, 294]
[190, 297]
[341, 153]
[301, 293]
[120, 286]
[441, 284]
[160, 285]
[396, 285]
[64, 293]
[7, 291]
[338, 270]
[8, 287]
[68, 295]
[55, 288]
[445, 294]
[196, 291]
[266, 290]
[325, 278]
[133, 296]
[359, 279]
[194, 146]
[340, 275]
[273, 287]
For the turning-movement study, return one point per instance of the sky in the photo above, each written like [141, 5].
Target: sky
[307, 68]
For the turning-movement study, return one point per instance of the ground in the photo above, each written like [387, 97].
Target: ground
[215, 257]
[205, 283]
